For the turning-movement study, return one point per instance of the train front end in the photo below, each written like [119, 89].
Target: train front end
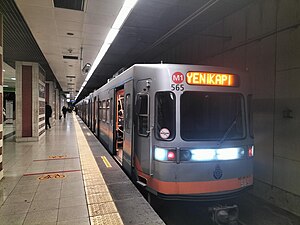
[202, 140]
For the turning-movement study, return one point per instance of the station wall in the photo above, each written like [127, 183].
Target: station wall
[262, 39]
[1, 95]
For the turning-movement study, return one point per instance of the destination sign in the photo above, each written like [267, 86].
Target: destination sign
[212, 79]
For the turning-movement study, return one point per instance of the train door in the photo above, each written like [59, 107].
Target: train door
[111, 133]
[142, 136]
[94, 115]
[99, 117]
[119, 131]
[86, 104]
[127, 143]
[84, 112]
[89, 114]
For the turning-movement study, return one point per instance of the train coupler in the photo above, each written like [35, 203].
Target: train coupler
[225, 215]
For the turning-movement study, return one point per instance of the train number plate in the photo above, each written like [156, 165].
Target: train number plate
[245, 181]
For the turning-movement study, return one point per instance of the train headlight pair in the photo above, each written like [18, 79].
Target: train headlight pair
[212, 154]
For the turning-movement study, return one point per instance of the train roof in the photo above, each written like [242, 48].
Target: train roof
[124, 76]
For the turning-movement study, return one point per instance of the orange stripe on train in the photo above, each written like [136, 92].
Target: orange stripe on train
[197, 187]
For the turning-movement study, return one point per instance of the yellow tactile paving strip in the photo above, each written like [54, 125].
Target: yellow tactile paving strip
[102, 209]
[96, 189]
[112, 218]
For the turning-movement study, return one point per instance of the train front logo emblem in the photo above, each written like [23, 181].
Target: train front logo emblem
[218, 173]
[164, 133]
[177, 77]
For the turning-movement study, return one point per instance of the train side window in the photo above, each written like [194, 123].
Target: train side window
[250, 114]
[127, 113]
[107, 111]
[165, 115]
[100, 110]
[104, 110]
[143, 114]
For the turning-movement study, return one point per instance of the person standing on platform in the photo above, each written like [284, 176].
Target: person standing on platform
[48, 115]
[64, 110]
[76, 110]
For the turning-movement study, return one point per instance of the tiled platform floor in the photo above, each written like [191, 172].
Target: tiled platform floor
[28, 200]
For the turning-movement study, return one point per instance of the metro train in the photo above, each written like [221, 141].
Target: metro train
[180, 131]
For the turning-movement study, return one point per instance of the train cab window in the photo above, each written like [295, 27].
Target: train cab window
[128, 113]
[104, 111]
[143, 114]
[165, 115]
[212, 116]
[107, 111]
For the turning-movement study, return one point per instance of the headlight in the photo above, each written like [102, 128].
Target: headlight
[217, 154]
[160, 154]
[227, 153]
[203, 154]
[163, 154]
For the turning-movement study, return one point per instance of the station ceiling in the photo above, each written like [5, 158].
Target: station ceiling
[64, 35]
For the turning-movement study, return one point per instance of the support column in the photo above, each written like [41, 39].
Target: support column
[1, 96]
[57, 106]
[30, 101]
[51, 99]
[54, 117]
[61, 102]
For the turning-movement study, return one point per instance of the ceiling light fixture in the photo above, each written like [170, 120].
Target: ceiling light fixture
[86, 68]
[114, 30]
[13, 78]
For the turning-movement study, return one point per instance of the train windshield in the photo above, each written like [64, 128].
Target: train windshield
[211, 116]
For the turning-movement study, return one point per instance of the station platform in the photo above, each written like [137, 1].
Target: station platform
[68, 178]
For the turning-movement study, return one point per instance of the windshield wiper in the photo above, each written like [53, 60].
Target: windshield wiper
[229, 129]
